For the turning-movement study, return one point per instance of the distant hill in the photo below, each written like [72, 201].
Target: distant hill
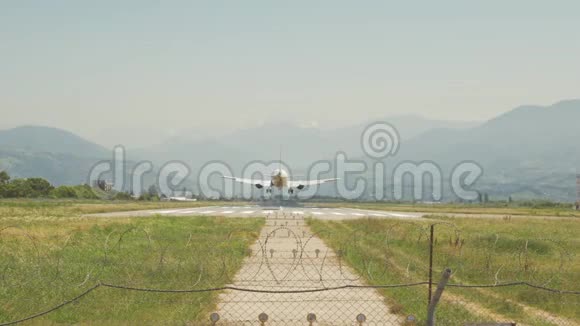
[531, 150]
[528, 152]
[57, 168]
[299, 145]
[195, 153]
[54, 154]
[528, 134]
[40, 139]
[348, 139]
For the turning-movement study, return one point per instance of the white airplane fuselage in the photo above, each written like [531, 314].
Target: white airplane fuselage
[279, 179]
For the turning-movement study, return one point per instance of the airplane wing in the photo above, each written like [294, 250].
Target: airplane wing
[254, 182]
[300, 184]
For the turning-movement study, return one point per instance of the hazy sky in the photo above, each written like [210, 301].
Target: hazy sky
[163, 66]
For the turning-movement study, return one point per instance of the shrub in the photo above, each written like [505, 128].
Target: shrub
[64, 192]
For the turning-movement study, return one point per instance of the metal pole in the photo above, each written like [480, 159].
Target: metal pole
[438, 293]
[430, 264]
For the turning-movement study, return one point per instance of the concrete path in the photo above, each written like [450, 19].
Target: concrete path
[286, 258]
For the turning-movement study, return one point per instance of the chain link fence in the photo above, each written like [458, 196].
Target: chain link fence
[298, 272]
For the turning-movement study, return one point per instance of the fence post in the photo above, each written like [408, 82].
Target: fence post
[311, 319]
[361, 319]
[433, 304]
[263, 318]
[430, 264]
[214, 318]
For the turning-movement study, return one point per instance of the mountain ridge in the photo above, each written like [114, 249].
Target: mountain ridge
[45, 139]
[526, 145]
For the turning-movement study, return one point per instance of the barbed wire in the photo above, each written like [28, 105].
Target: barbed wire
[273, 270]
[510, 284]
[250, 290]
[53, 309]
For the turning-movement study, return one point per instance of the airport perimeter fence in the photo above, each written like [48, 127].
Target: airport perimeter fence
[296, 272]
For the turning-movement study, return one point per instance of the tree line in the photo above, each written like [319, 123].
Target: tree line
[40, 188]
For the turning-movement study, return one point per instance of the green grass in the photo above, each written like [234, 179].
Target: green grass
[19, 210]
[500, 209]
[49, 253]
[479, 251]
[45, 262]
[50, 209]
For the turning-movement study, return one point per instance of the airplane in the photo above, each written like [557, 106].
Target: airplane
[279, 179]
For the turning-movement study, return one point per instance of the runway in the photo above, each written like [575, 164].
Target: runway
[260, 211]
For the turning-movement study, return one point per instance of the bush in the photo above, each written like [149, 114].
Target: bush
[80, 192]
[122, 196]
[64, 192]
[16, 188]
[38, 187]
[539, 203]
[85, 192]
[4, 178]
[148, 197]
[30, 188]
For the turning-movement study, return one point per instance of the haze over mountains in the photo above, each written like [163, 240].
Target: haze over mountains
[531, 151]
[300, 145]
[48, 140]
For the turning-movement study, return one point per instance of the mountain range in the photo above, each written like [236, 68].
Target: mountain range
[530, 151]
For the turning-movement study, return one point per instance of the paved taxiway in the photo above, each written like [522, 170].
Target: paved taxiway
[253, 211]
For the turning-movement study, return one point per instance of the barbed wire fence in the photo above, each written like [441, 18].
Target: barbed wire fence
[291, 275]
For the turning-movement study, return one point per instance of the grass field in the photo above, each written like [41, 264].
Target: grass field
[50, 209]
[46, 261]
[22, 210]
[49, 253]
[499, 209]
[479, 251]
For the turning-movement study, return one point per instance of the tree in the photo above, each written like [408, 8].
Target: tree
[4, 178]
[85, 192]
[122, 196]
[64, 192]
[152, 191]
[18, 188]
[144, 196]
[38, 187]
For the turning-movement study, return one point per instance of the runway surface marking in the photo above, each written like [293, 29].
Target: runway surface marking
[249, 211]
